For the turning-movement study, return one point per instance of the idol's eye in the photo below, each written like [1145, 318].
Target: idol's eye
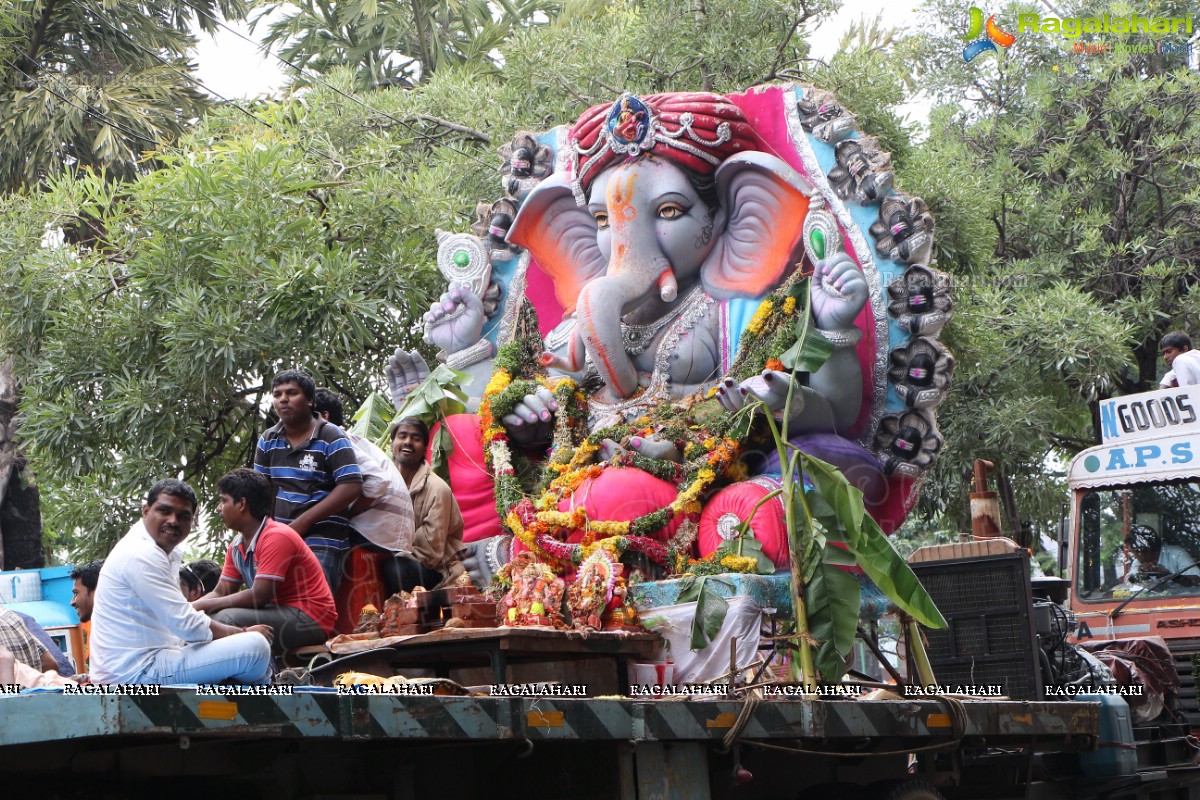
[671, 211]
[601, 219]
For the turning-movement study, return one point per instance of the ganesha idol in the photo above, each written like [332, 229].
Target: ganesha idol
[672, 247]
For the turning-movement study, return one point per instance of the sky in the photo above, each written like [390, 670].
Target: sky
[233, 68]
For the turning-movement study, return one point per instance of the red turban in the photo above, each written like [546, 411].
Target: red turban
[695, 130]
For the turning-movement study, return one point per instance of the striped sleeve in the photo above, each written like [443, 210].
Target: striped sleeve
[260, 458]
[340, 460]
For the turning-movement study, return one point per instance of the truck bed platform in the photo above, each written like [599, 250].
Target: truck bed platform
[45, 717]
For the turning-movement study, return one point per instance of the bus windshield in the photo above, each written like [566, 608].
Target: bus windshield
[1112, 564]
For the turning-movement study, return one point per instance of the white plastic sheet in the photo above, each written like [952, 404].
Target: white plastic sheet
[674, 623]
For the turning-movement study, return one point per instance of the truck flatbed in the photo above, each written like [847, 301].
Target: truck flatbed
[51, 716]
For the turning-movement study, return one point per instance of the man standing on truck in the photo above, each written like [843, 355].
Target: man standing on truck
[1184, 362]
[144, 631]
[313, 472]
[382, 519]
[285, 587]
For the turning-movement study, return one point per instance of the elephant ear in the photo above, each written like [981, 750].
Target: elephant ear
[561, 236]
[765, 201]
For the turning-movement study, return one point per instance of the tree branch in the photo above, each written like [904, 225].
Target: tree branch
[479, 136]
[39, 34]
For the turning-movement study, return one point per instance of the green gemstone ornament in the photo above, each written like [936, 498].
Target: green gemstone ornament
[462, 258]
[817, 240]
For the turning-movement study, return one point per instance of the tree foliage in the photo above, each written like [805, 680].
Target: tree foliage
[148, 317]
[90, 83]
[395, 42]
[1065, 193]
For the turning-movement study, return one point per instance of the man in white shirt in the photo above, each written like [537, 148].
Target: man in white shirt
[1184, 362]
[1154, 560]
[144, 631]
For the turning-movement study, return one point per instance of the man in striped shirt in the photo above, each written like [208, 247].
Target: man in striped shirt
[313, 472]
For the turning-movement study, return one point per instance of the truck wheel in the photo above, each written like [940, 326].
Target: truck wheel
[913, 790]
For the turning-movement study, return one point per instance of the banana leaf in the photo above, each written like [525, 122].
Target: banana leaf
[874, 553]
[811, 349]
[832, 600]
[711, 608]
[751, 547]
[438, 396]
[809, 353]
[440, 449]
[372, 418]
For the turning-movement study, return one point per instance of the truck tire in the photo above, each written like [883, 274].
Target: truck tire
[913, 790]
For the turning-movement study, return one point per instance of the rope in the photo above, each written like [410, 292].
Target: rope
[750, 702]
[955, 708]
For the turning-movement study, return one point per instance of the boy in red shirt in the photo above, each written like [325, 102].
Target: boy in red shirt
[285, 587]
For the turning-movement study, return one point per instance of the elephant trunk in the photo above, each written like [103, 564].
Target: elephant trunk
[601, 305]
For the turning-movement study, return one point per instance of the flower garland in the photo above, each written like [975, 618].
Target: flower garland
[771, 330]
[541, 526]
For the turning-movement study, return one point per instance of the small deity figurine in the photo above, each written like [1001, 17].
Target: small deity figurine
[369, 620]
[401, 615]
[621, 614]
[598, 598]
[535, 598]
[591, 592]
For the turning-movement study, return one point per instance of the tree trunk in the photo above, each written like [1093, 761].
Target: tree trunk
[8, 447]
[20, 513]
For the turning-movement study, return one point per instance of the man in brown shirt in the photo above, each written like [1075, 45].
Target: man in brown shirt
[438, 537]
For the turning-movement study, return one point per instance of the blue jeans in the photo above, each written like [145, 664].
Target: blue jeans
[331, 554]
[243, 657]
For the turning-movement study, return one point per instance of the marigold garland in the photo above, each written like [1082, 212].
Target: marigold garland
[541, 526]
[772, 329]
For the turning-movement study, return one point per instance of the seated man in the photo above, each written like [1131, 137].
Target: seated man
[23, 645]
[437, 540]
[83, 595]
[313, 472]
[1154, 560]
[143, 631]
[62, 663]
[13, 672]
[285, 587]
